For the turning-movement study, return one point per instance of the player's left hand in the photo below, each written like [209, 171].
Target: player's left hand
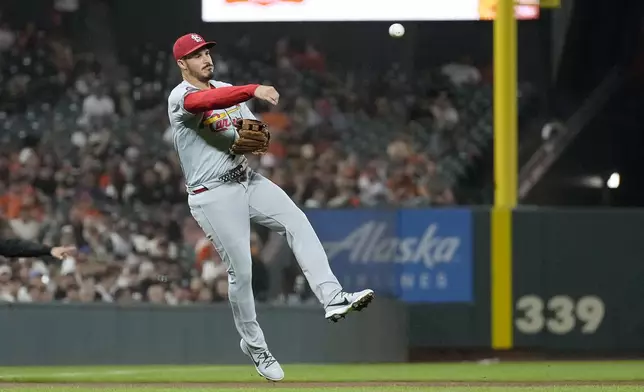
[61, 252]
[253, 137]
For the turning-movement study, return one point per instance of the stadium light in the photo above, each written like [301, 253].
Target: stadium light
[613, 181]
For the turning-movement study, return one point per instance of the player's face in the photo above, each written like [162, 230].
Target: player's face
[200, 65]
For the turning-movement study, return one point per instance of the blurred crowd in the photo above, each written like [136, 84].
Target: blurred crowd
[85, 161]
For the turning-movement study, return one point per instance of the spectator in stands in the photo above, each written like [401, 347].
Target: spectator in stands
[72, 294]
[221, 289]
[462, 72]
[25, 226]
[7, 290]
[444, 113]
[97, 106]
[87, 293]
[310, 59]
[124, 102]
[150, 191]
[156, 294]
[373, 189]
[260, 276]
[205, 295]
[7, 37]
[27, 38]
[435, 187]
[66, 5]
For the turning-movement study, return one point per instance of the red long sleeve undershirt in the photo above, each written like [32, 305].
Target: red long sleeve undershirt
[218, 98]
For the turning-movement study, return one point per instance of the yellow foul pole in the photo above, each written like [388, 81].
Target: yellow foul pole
[505, 173]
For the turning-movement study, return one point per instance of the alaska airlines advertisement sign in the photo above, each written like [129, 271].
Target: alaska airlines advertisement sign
[416, 255]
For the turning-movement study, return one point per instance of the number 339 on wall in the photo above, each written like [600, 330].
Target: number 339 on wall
[560, 315]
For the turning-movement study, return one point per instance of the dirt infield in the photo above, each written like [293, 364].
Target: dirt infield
[318, 384]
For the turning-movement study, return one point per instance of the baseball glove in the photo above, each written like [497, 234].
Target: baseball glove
[253, 137]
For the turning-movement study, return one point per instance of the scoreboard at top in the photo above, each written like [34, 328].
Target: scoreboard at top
[227, 11]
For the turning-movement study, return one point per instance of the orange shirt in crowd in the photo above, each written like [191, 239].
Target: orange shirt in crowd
[105, 180]
[204, 250]
[89, 211]
[277, 121]
[11, 203]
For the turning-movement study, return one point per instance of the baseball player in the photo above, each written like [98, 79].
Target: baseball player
[212, 129]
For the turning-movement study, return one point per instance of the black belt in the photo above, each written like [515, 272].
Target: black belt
[238, 173]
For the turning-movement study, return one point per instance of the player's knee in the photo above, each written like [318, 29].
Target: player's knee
[241, 279]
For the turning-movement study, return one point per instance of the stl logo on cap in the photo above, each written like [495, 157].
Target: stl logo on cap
[264, 2]
[196, 38]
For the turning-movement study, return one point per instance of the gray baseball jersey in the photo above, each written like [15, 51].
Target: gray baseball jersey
[203, 151]
[225, 212]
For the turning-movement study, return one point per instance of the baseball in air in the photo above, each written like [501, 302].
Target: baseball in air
[396, 30]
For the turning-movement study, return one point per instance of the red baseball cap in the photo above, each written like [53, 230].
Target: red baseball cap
[189, 43]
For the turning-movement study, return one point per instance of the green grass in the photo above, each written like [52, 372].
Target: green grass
[204, 378]
[349, 389]
[517, 371]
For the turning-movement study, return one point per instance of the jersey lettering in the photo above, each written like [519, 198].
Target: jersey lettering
[202, 140]
[222, 125]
